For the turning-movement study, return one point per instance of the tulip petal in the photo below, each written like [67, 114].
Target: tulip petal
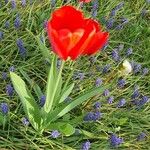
[67, 17]
[56, 43]
[96, 43]
[89, 33]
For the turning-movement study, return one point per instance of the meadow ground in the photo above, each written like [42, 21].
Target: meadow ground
[125, 107]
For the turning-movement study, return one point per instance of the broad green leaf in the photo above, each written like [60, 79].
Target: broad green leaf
[77, 101]
[30, 106]
[67, 129]
[36, 88]
[51, 85]
[80, 99]
[66, 93]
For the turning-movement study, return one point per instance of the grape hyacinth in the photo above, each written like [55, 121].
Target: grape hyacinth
[141, 136]
[92, 116]
[55, 134]
[1, 35]
[106, 92]
[115, 141]
[97, 105]
[9, 90]
[106, 69]
[25, 121]
[7, 24]
[145, 71]
[6, 1]
[110, 23]
[115, 55]
[86, 145]
[135, 94]
[17, 22]
[22, 49]
[42, 100]
[13, 4]
[4, 75]
[129, 51]
[121, 83]
[4, 108]
[143, 101]
[110, 99]
[98, 82]
[53, 3]
[23, 3]
[121, 103]
[12, 69]
[95, 5]
[136, 67]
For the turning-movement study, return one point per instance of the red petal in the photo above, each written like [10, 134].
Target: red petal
[67, 17]
[57, 46]
[96, 43]
[89, 33]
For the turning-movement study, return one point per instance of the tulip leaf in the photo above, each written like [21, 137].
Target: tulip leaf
[53, 84]
[36, 88]
[80, 99]
[66, 93]
[62, 110]
[30, 106]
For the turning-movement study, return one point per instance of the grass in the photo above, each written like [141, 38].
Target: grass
[127, 122]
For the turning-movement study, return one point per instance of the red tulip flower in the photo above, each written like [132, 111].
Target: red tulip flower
[72, 35]
[85, 1]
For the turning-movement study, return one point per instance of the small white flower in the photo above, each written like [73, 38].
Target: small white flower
[126, 67]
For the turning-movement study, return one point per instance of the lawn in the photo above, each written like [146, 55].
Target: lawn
[115, 114]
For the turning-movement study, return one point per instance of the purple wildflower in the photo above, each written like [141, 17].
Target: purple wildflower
[110, 23]
[25, 121]
[1, 35]
[105, 46]
[17, 22]
[7, 24]
[119, 6]
[115, 55]
[121, 103]
[88, 116]
[79, 76]
[115, 141]
[53, 2]
[95, 5]
[4, 108]
[12, 69]
[110, 99]
[135, 94]
[121, 83]
[4, 75]
[97, 105]
[129, 51]
[13, 4]
[98, 82]
[141, 136]
[145, 71]
[86, 145]
[6, 1]
[136, 67]
[143, 101]
[42, 100]
[106, 69]
[106, 92]
[55, 134]
[112, 13]
[9, 90]
[22, 49]
[45, 24]
[96, 116]
[23, 3]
